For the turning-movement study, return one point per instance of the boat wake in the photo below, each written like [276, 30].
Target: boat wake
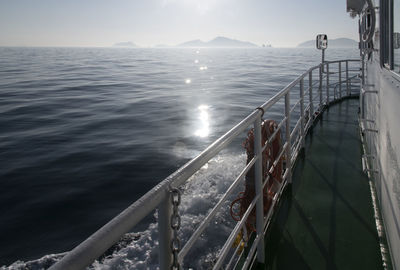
[139, 250]
[42, 263]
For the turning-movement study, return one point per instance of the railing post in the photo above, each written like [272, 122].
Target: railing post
[340, 79]
[363, 69]
[311, 94]
[327, 83]
[259, 190]
[302, 111]
[347, 78]
[165, 233]
[320, 87]
[288, 140]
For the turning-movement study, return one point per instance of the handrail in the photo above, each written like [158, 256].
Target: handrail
[159, 197]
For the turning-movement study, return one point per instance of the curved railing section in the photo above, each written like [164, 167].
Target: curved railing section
[304, 99]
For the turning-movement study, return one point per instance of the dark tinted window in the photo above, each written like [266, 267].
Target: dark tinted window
[384, 25]
[396, 35]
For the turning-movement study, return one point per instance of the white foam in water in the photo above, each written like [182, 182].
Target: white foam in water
[199, 196]
[40, 264]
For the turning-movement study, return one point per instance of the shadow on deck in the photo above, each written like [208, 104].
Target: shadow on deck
[328, 223]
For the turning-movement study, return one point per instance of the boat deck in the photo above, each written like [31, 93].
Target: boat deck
[329, 222]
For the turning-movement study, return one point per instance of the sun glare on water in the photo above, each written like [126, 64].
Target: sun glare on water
[204, 125]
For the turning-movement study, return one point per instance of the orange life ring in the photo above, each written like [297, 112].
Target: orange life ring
[270, 155]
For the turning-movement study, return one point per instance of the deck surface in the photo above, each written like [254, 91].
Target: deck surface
[328, 223]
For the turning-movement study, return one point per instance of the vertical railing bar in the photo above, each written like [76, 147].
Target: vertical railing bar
[311, 94]
[327, 83]
[308, 124]
[165, 233]
[259, 190]
[288, 140]
[320, 88]
[347, 78]
[237, 251]
[302, 112]
[340, 79]
[362, 69]
[249, 260]
[334, 89]
[235, 231]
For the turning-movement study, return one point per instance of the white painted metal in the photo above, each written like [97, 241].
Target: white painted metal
[340, 79]
[327, 83]
[165, 233]
[294, 130]
[159, 197]
[320, 88]
[214, 211]
[381, 106]
[302, 134]
[347, 78]
[310, 92]
[259, 190]
[288, 137]
[362, 99]
[224, 250]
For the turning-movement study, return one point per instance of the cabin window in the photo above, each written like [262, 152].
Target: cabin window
[396, 36]
[384, 25]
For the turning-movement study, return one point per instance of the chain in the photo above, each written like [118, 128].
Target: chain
[175, 225]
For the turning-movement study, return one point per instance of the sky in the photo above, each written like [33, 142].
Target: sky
[101, 23]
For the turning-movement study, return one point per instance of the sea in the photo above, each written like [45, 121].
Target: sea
[85, 132]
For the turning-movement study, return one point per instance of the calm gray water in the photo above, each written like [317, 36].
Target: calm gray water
[84, 132]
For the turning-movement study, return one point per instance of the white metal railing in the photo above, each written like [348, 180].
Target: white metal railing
[294, 125]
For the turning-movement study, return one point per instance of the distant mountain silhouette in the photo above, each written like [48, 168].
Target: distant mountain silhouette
[193, 43]
[124, 44]
[218, 42]
[332, 43]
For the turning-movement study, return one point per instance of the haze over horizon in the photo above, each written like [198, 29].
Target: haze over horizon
[101, 23]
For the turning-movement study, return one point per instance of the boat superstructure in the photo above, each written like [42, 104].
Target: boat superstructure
[379, 110]
[305, 101]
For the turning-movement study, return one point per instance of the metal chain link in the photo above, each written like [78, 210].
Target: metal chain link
[175, 225]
